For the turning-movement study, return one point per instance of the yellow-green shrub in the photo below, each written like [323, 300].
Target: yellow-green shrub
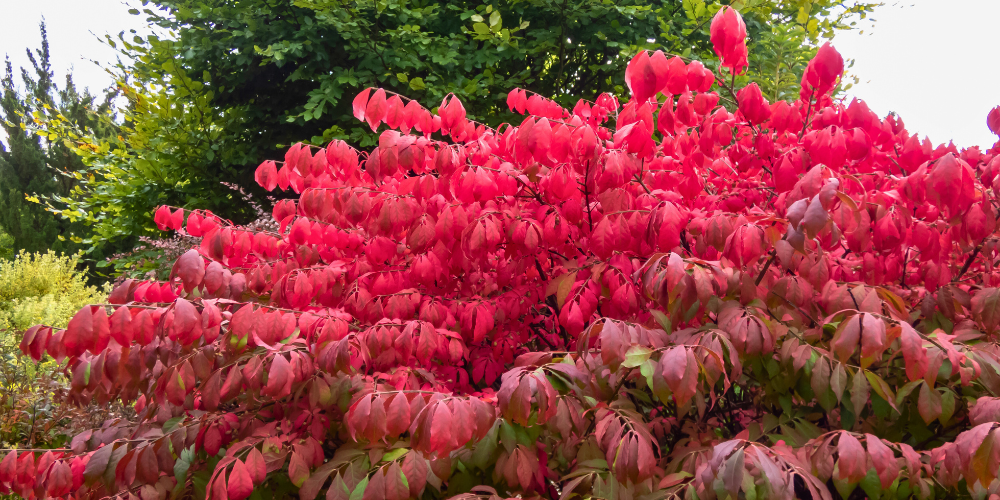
[41, 289]
[36, 289]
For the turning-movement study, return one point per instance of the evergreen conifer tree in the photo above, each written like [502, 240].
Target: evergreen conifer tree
[31, 165]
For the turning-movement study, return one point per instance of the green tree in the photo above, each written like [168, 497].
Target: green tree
[34, 165]
[234, 81]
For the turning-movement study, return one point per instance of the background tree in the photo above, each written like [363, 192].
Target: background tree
[235, 81]
[32, 165]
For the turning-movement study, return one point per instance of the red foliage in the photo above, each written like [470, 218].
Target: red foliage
[661, 298]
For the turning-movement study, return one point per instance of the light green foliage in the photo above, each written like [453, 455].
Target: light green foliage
[41, 289]
[34, 289]
[170, 150]
[779, 61]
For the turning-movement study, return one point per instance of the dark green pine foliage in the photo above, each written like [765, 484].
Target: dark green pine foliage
[31, 165]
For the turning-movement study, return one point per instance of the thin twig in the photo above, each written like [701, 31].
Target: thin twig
[774, 253]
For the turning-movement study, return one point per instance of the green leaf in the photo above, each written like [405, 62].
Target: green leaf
[359, 490]
[881, 388]
[636, 355]
[181, 467]
[508, 436]
[481, 28]
[905, 391]
[394, 454]
[482, 454]
[662, 319]
[947, 406]
[417, 84]
[871, 484]
[170, 425]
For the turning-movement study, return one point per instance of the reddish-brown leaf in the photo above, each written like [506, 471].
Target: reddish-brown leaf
[376, 487]
[395, 483]
[147, 468]
[298, 469]
[883, 459]
[929, 403]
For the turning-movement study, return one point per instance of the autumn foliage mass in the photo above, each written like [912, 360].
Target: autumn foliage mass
[694, 294]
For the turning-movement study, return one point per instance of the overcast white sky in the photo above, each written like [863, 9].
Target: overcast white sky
[74, 27]
[927, 60]
[933, 63]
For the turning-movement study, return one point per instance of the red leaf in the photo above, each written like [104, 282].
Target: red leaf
[375, 110]
[873, 336]
[851, 458]
[360, 104]
[441, 438]
[845, 340]
[121, 326]
[186, 320]
[415, 469]
[240, 486]
[211, 391]
[8, 467]
[176, 219]
[219, 488]
[279, 378]
[397, 415]
[640, 76]
[883, 459]
[175, 389]
[255, 466]
[96, 466]
[79, 334]
[375, 490]
[673, 364]
[162, 217]
[950, 185]
[266, 176]
[357, 417]
[190, 267]
[102, 330]
[143, 327]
